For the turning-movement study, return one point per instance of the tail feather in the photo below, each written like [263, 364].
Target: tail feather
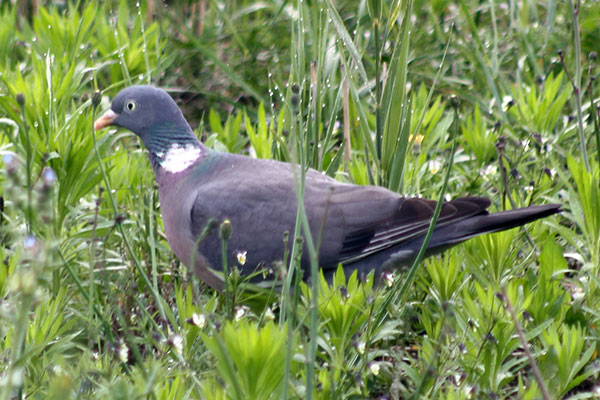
[481, 224]
[451, 234]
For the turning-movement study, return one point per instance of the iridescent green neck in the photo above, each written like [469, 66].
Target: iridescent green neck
[171, 142]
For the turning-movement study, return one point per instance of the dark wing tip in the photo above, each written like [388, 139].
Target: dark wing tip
[509, 219]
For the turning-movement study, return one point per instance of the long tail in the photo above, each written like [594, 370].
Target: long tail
[480, 224]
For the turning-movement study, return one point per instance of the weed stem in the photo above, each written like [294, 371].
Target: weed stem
[534, 366]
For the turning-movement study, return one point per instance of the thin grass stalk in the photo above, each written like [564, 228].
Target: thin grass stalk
[433, 86]
[157, 328]
[593, 56]
[157, 297]
[375, 8]
[534, 367]
[145, 45]
[107, 329]
[293, 271]
[298, 52]
[313, 151]
[286, 302]
[237, 389]
[299, 159]
[399, 296]
[365, 355]
[314, 276]
[577, 81]
[299, 180]
[378, 77]
[124, 69]
[51, 113]
[28, 160]
[290, 297]
[395, 105]
[157, 50]
[480, 55]
[73, 9]
[550, 15]
[314, 298]
[367, 139]
[430, 370]
[201, 48]
[507, 191]
[225, 234]
[285, 286]
[594, 112]
[323, 91]
[495, 41]
[438, 207]
[500, 150]
[346, 39]
[230, 27]
[129, 338]
[319, 32]
[20, 327]
[311, 157]
[333, 112]
[396, 176]
[302, 222]
[346, 116]
[152, 237]
[92, 254]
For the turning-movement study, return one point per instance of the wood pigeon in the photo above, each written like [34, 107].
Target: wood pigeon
[363, 228]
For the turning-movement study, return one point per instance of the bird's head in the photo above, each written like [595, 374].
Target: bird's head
[143, 110]
[152, 114]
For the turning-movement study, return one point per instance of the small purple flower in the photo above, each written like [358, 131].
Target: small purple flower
[8, 158]
[49, 176]
[30, 241]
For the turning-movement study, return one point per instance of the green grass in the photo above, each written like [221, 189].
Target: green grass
[93, 303]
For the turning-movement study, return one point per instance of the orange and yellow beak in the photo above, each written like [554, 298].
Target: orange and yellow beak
[105, 120]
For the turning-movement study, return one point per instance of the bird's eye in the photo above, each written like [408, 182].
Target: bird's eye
[130, 105]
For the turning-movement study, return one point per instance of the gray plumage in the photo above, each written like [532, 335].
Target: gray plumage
[362, 227]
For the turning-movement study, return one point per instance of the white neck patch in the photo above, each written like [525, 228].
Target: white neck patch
[177, 158]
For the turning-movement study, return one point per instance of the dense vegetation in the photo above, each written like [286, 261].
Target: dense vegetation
[93, 303]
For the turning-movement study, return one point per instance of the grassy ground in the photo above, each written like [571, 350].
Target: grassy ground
[93, 302]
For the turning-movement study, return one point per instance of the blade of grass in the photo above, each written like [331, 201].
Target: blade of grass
[399, 296]
[160, 302]
[207, 52]
[395, 106]
[534, 367]
[576, 82]
[480, 56]
[347, 40]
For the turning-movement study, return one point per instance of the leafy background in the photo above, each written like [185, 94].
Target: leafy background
[93, 302]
